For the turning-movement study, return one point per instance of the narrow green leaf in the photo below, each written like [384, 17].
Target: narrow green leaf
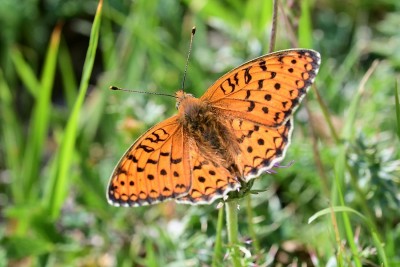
[70, 85]
[327, 211]
[396, 95]
[151, 258]
[25, 73]
[59, 183]
[376, 239]
[108, 40]
[340, 166]
[349, 129]
[12, 136]
[305, 27]
[380, 247]
[40, 118]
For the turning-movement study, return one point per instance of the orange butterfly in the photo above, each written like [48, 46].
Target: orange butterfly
[236, 131]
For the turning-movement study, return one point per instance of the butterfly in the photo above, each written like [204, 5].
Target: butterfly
[239, 129]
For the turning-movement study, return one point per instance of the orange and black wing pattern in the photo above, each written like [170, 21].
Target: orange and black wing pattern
[266, 90]
[154, 169]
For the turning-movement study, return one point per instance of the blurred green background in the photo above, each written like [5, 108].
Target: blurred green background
[62, 131]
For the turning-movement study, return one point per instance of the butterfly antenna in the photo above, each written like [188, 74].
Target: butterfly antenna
[140, 92]
[187, 59]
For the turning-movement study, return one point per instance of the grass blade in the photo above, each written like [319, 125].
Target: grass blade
[58, 188]
[348, 130]
[396, 94]
[305, 27]
[25, 73]
[335, 209]
[40, 119]
[67, 74]
[340, 166]
[12, 134]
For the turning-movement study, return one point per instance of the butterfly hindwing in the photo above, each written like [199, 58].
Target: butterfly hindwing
[261, 147]
[209, 180]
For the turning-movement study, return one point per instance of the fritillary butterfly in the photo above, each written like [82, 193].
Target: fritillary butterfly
[236, 131]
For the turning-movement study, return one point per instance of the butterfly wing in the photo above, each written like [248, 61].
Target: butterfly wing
[266, 90]
[155, 168]
[261, 147]
[258, 99]
[209, 180]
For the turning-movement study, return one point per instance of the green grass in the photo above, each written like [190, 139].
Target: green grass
[62, 131]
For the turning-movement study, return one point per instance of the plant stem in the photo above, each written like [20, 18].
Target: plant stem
[232, 226]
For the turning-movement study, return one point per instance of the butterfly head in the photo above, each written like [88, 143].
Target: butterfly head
[181, 96]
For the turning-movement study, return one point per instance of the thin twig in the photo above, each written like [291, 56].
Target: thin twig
[289, 30]
[274, 26]
[316, 154]
[326, 114]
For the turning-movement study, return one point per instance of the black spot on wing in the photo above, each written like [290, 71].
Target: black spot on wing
[247, 75]
[236, 79]
[132, 158]
[231, 85]
[263, 65]
[260, 84]
[176, 161]
[248, 93]
[147, 149]
[251, 107]
[150, 161]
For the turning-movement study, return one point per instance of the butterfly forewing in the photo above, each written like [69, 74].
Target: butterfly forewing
[266, 90]
[155, 168]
